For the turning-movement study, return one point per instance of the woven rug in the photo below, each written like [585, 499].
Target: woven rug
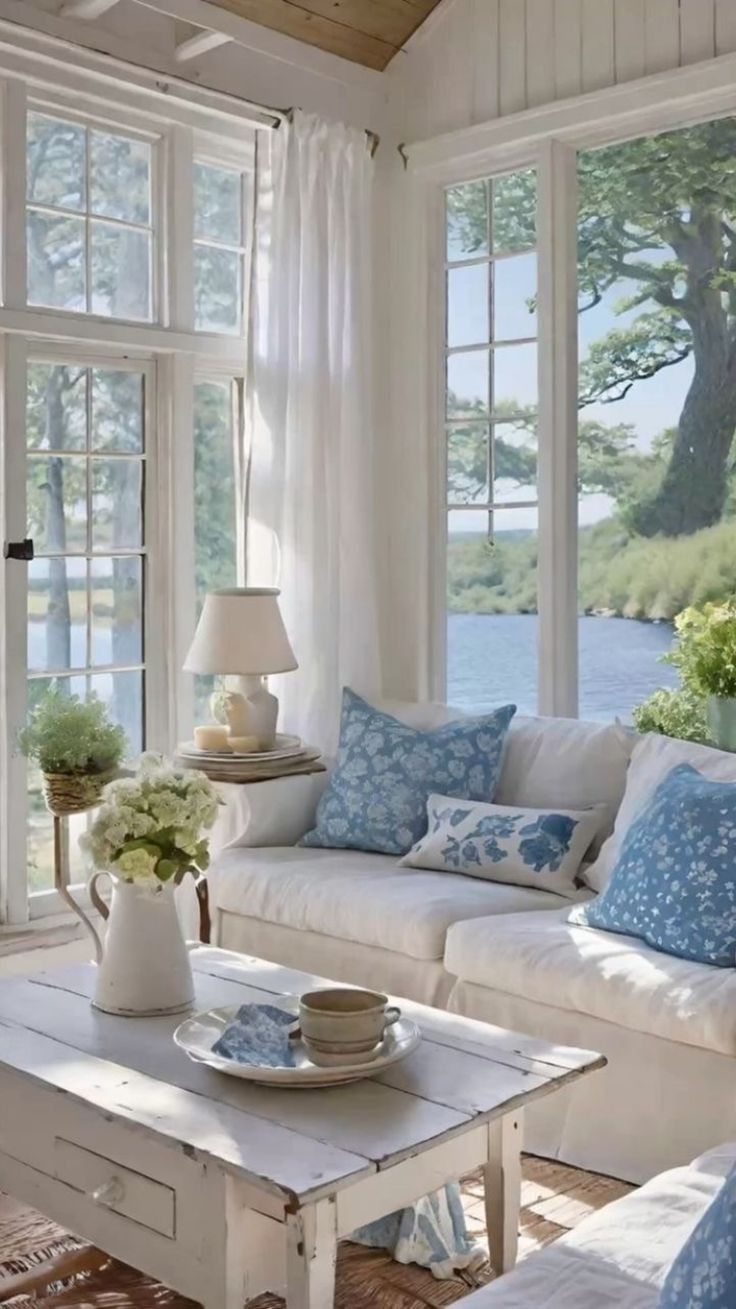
[554, 1199]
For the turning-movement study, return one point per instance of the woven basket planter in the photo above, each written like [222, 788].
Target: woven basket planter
[73, 793]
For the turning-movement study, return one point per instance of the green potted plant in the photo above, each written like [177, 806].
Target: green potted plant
[705, 654]
[76, 747]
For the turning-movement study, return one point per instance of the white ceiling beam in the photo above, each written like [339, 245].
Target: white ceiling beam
[87, 9]
[199, 44]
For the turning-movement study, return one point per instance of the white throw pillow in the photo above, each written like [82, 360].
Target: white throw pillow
[563, 763]
[653, 758]
[542, 848]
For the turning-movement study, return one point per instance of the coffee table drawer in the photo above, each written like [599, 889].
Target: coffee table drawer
[113, 1186]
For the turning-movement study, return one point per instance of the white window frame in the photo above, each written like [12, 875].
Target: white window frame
[168, 347]
[547, 139]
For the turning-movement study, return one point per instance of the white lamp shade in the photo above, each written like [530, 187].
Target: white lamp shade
[240, 632]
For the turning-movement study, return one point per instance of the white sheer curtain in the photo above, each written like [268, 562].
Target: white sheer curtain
[311, 520]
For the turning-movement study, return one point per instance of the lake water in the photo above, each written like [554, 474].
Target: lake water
[492, 659]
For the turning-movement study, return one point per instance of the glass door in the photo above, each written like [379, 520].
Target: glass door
[86, 446]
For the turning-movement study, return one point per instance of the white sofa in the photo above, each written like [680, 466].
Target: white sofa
[620, 1256]
[503, 954]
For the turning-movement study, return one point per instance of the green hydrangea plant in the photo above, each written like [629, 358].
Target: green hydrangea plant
[676, 713]
[705, 649]
[67, 735]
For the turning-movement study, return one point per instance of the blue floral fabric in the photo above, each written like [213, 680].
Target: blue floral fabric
[674, 884]
[258, 1035]
[432, 1233]
[526, 847]
[703, 1276]
[376, 798]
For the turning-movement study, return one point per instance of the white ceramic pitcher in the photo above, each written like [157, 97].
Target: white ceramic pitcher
[143, 966]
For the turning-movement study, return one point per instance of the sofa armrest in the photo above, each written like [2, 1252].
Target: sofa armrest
[278, 812]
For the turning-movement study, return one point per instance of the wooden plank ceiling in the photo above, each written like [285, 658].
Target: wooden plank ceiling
[368, 32]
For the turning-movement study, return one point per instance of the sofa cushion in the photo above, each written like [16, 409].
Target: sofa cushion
[564, 763]
[376, 798]
[550, 961]
[360, 897]
[704, 1273]
[673, 884]
[524, 847]
[619, 1256]
[652, 759]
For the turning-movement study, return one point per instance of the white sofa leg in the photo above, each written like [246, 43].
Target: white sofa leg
[502, 1178]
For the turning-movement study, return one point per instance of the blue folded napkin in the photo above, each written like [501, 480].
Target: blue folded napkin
[258, 1035]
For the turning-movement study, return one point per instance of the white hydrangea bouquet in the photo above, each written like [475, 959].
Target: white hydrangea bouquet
[149, 828]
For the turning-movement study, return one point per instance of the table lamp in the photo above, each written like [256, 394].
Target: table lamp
[241, 635]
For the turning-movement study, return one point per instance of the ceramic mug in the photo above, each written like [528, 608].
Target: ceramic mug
[343, 1025]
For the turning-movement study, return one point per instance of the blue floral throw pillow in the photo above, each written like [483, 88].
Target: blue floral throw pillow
[525, 847]
[376, 798]
[674, 884]
[703, 1276]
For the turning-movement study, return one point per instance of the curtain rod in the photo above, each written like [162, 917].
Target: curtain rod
[373, 139]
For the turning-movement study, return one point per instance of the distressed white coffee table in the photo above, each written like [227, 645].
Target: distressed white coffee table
[223, 1189]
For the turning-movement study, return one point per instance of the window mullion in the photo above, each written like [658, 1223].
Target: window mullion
[14, 194]
[558, 383]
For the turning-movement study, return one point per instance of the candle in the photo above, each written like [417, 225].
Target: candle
[211, 737]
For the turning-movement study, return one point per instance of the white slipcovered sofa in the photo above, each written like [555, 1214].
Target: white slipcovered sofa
[619, 1257]
[499, 953]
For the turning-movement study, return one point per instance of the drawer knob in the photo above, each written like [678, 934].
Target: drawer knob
[110, 1193]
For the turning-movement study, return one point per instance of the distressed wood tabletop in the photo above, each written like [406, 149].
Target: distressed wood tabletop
[297, 1144]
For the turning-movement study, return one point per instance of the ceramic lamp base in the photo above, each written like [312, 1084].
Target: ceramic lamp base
[251, 710]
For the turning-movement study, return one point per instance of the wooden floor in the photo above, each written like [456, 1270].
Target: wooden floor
[554, 1199]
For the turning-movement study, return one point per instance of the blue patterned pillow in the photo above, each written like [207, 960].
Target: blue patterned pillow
[542, 848]
[674, 883]
[376, 798]
[703, 1276]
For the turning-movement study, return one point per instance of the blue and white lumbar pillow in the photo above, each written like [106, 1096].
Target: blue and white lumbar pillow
[376, 798]
[543, 848]
[674, 883]
[703, 1275]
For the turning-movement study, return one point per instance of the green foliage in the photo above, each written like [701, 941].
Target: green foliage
[705, 649]
[65, 735]
[677, 713]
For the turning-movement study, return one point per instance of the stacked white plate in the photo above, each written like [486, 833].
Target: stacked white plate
[287, 747]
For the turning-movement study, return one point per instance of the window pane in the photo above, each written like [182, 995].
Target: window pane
[467, 305]
[467, 464]
[123, 695]
[117, 504]
[492, 604]
[119, 177]
[514, 297]
[56, 277]
[117, 411]
[658, 411]
[467, 220]
[217, 204]
[56, 407]
[217, 295]
[55, 163]
[515, 461]
[120, 271]
[514, 211]
[57, 503]
[215, 519]
[116, 603]
[514, 379]
[57, 614]
[467, 384]
[40, 828]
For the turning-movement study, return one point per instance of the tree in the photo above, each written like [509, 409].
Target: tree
[659, 212]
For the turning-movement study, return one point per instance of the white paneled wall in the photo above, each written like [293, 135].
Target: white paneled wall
[478, 59]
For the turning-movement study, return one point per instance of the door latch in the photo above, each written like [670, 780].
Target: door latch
[19, 550]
